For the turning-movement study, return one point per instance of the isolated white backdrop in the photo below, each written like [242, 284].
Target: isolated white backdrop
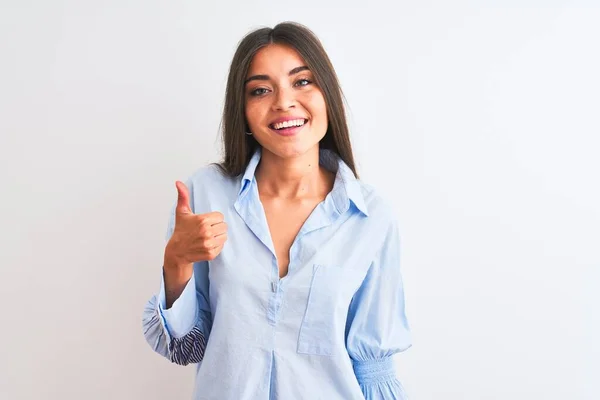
[478, 120]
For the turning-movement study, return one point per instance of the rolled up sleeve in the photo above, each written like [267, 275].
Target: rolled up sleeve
[180, 333]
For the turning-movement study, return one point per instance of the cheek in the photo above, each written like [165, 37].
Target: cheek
[318, 106]
[252, 112]
[248, 110]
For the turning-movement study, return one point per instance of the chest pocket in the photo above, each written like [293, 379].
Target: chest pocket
[322, 331]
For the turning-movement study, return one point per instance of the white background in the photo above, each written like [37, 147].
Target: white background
[478, 120]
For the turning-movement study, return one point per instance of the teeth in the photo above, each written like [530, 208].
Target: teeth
[287, 124]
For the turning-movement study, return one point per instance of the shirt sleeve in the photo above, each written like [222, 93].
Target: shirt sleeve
[377, 327]
[180, 333]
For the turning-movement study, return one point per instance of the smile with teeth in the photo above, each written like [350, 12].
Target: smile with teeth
[288, 124]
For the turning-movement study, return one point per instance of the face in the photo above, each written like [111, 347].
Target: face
[284, 107]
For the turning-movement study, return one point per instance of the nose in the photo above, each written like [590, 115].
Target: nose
[284, 99]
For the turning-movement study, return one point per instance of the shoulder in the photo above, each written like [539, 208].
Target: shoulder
[211, 189]
[209, 175]
[383, 220]
[380, 207]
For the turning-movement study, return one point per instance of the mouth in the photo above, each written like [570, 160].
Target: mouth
[289, 127]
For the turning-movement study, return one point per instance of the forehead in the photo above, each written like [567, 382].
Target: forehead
[275, 59]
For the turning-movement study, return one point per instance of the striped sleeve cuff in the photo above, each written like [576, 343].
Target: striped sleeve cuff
[189, 348]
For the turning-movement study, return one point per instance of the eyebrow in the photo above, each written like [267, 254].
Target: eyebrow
[266, 77]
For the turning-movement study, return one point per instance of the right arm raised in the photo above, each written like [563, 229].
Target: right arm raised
[177, 323]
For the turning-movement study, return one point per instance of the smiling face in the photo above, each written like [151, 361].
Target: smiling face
[284, 107]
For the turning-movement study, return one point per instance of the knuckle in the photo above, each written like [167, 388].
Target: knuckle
[203, 220]
[212, 254]
[206, 233]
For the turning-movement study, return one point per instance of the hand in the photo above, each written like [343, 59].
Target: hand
[195, 237]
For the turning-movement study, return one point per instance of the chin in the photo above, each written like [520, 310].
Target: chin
[292, 150]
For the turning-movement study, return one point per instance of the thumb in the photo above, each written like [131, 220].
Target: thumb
[183, 199]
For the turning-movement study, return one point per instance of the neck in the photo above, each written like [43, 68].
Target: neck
[292, 178]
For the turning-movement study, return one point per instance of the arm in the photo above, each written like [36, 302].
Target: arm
[377, 327]
[177, 322]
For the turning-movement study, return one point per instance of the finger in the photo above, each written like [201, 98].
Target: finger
[217, 250]
[220, 240]
[212, 218]
[212, 243]
[219, 229]
[183, 199]
[206, 243]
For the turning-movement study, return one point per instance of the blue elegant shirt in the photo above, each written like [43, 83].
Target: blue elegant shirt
[327, 330]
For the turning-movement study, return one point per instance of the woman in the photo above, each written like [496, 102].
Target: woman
[281, 272]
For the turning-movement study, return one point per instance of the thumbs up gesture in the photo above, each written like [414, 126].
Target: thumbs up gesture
[196, 237]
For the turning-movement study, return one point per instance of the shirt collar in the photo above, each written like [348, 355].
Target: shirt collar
[346, 188]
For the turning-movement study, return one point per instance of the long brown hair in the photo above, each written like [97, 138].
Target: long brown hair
[239, 147]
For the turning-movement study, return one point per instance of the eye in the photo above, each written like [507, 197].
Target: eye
[303, 82]
[258, 92]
